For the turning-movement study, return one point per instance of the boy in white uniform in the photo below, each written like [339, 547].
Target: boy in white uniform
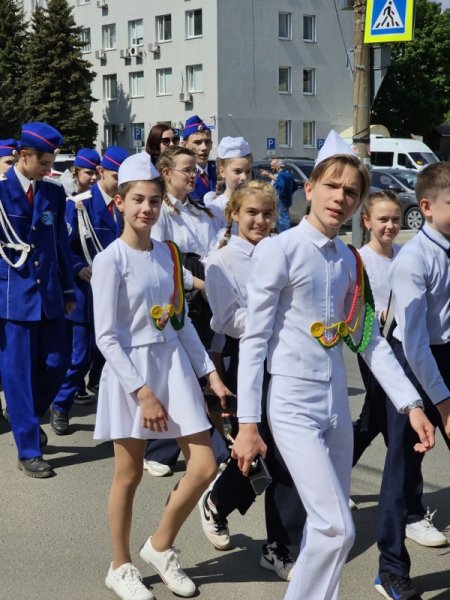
[312, 290]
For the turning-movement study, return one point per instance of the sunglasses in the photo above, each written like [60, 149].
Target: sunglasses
[165, 141]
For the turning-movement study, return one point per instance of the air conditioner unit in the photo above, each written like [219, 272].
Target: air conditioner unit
[185, 97]
[120, 127]
[155, 48]
[124, 53]
[100, 54]
[135, 51]
[102, 3]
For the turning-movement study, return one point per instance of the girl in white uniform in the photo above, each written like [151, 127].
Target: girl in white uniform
[305, 296]
[149, 386]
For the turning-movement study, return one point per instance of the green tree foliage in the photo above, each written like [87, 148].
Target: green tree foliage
[61, 89]
[415, 94]
[12, 62]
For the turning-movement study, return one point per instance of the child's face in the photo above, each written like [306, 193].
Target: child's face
[334, 198]
[437, 212]
[86, 178]
[384, 221]
[109, 181]
[201, 144]
[35, 167]
[181, 179]
[236, 172]
[6, 162]
[255, 217]
[140, 207]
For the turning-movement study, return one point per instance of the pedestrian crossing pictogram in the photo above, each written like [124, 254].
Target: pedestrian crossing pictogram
[388, 21]
[389, 17]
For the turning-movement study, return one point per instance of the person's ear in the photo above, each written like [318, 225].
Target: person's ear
[426, 206]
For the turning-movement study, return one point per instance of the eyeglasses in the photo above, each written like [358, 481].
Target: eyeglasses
[189, 172]
[166, 141]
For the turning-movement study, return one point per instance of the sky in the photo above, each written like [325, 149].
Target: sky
[445, 3]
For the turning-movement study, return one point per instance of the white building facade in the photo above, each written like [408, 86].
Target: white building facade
[276, 72]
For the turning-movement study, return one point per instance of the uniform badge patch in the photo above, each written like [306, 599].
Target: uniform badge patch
[47, 217]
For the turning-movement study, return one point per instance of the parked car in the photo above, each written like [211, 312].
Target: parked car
[401, 181]
[62, 163]
[300, 170]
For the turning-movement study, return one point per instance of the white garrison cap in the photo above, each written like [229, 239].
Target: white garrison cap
[137, 167]
[333, 144]
[233, 147]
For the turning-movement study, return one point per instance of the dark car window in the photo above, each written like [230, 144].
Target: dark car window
[382, 159]
[382, 180]
[408, 179]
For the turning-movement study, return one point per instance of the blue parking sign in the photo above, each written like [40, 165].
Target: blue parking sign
[320, 143]
[270, 144]
[137, 134]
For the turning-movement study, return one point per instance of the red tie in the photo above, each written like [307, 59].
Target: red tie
[204, 178]
[30, 195]
[111, 208]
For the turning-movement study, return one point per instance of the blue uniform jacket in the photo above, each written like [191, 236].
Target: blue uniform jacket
[200, 188]
[107, 230]
[44, 282]
[285, 187]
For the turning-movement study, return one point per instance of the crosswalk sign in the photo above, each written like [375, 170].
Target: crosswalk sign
[389, 21]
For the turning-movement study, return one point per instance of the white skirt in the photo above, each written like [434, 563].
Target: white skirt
[168, 372]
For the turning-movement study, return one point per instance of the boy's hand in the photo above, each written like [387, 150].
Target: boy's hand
[69, 307]
[424, 429]
[153, 414]
[444, 411]
[217, 386]
[85, 274]
[247, 445]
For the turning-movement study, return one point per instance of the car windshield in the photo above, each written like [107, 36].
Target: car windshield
[307, 169]
[423, 158]
[408, 179]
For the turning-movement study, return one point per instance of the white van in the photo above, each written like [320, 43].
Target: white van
[400, 153]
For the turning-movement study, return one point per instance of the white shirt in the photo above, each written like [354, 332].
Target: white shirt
[126, 283]
[297, 278]
[108, 199]
[420, 282]
[377, 267]
[24, 181]
[227, 273]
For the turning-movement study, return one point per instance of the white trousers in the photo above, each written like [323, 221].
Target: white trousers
[312, 427]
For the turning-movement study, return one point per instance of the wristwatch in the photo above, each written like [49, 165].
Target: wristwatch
[408, 408]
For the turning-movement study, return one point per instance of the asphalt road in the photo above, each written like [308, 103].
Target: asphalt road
[54, 541]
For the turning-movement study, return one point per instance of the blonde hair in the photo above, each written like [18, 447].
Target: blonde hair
[237, 198]
[374, 198]
[337, 164]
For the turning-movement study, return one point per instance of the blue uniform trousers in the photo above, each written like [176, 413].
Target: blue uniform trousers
[402, 477]
[83, 341]
[34, 357]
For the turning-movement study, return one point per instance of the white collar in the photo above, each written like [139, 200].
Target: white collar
[24, 181]
[315, 236]
[108, 199]
[244, 246]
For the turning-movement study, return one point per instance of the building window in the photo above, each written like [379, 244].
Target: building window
[137, 84]
[309, 81]
[284, 134]
[309, 28]
[109, 37]
[37, 4]
[309, 134]
[110, 87]
[194, 25]
[164, 28]
[285, 26]
[163, 82]
[284, 80]
[85, 39]
[194, 78]
[81, 2]
[136, 32]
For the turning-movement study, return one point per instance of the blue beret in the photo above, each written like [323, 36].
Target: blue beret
[41, 136]
[113, 157]
[87, 158]
[7, 147]
[194, 125]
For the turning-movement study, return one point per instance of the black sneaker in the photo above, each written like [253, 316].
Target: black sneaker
[84, 399]
[395, 587]
[59, 422]
[276, 557]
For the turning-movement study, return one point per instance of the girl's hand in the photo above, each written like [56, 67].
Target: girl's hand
[423, 428]
[219, 388]
[154, 415]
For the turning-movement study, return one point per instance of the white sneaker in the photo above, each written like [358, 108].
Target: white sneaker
[425, 533]
[214, 527]
[352, 504]
[276, 557]
[126, 582]
[167, 565]
[157, 469]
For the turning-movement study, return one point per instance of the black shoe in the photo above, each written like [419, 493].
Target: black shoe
[59, 422]
[93, 387]
[43, 437]
[36, 467]
[83, 399]
[395, 587]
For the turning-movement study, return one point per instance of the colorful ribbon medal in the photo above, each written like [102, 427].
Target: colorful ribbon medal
[175, 309]
[362, 297]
